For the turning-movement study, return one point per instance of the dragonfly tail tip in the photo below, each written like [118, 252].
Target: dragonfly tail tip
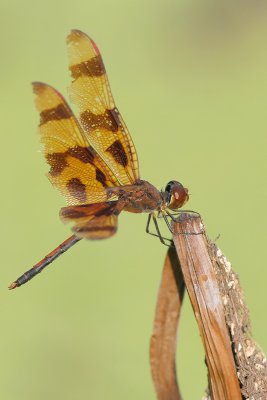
[12, 286]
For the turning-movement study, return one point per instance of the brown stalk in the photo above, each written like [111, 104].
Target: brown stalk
[163, 340]
[206, 301]
[236, 367]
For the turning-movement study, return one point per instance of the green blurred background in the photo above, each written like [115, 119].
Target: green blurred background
[190, 79]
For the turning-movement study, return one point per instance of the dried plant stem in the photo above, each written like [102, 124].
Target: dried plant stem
[202, 286]
[163, 340]
[237, 368]
[250, 360]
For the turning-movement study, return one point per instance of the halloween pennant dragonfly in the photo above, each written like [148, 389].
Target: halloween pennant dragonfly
[93, 161]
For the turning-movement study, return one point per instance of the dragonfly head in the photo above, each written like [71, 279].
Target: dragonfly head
[175, 195]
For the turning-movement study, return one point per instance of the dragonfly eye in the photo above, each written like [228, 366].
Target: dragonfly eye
[168, 191]
[175, 195]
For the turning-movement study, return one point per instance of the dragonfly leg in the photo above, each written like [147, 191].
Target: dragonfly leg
[173, 217]
[158, 234]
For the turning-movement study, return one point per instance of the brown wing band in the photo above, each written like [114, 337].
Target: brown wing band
[92, 67]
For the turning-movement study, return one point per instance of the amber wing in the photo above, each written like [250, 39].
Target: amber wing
[100, 119]
[92, 221]
[75, 168]
[88, 156]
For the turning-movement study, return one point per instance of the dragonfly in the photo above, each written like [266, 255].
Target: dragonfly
[93, 161]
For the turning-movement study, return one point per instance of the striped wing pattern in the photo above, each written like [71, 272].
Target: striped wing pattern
[75, 168]
[88, 155]
[92, 221]
[100, 119]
